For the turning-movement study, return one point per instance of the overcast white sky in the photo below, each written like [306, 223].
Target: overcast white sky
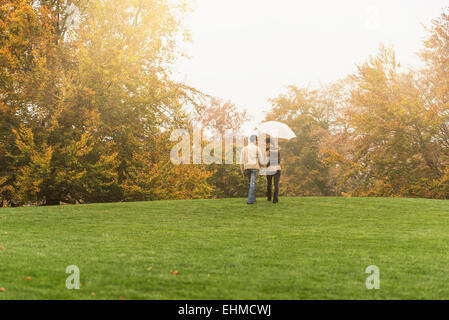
[248, 51]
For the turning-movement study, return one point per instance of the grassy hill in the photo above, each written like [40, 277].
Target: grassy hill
[302, 248]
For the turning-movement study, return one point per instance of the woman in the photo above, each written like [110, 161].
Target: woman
[273, 171]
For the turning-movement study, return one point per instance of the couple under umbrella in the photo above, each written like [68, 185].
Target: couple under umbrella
[266, 161]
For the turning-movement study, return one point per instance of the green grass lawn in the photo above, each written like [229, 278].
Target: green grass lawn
[302, 248]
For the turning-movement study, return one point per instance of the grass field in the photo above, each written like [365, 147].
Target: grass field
[302, 248]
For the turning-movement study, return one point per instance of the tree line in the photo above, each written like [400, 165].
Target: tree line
[87, 104]
[382, 131]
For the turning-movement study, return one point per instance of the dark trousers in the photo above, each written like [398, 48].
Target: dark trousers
[276, 179]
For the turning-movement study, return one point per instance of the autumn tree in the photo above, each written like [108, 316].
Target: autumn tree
[309, 113]
[435, 85]
[27, 41]
[220, 121]
[92, 100]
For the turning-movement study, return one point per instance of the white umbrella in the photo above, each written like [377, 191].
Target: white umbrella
[277, 129]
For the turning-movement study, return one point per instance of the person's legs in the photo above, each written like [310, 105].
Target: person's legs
[277, 178]
[248, 174]
[252, 174]
[269, 184]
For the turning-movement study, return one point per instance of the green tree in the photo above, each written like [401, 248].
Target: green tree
[89, 99]
[308, 113]
[219, 120]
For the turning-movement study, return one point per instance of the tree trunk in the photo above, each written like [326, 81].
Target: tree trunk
[52, 199]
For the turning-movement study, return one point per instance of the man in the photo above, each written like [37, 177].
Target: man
[251, 160]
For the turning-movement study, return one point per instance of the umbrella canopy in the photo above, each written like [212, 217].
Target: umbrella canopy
[277, 129]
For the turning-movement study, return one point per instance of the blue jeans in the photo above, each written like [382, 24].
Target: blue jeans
[252, 178]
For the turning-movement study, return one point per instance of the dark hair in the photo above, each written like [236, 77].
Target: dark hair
[267, 143]
[253, 139]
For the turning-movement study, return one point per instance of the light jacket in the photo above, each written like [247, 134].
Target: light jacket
[273, 155]
[252, 158]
